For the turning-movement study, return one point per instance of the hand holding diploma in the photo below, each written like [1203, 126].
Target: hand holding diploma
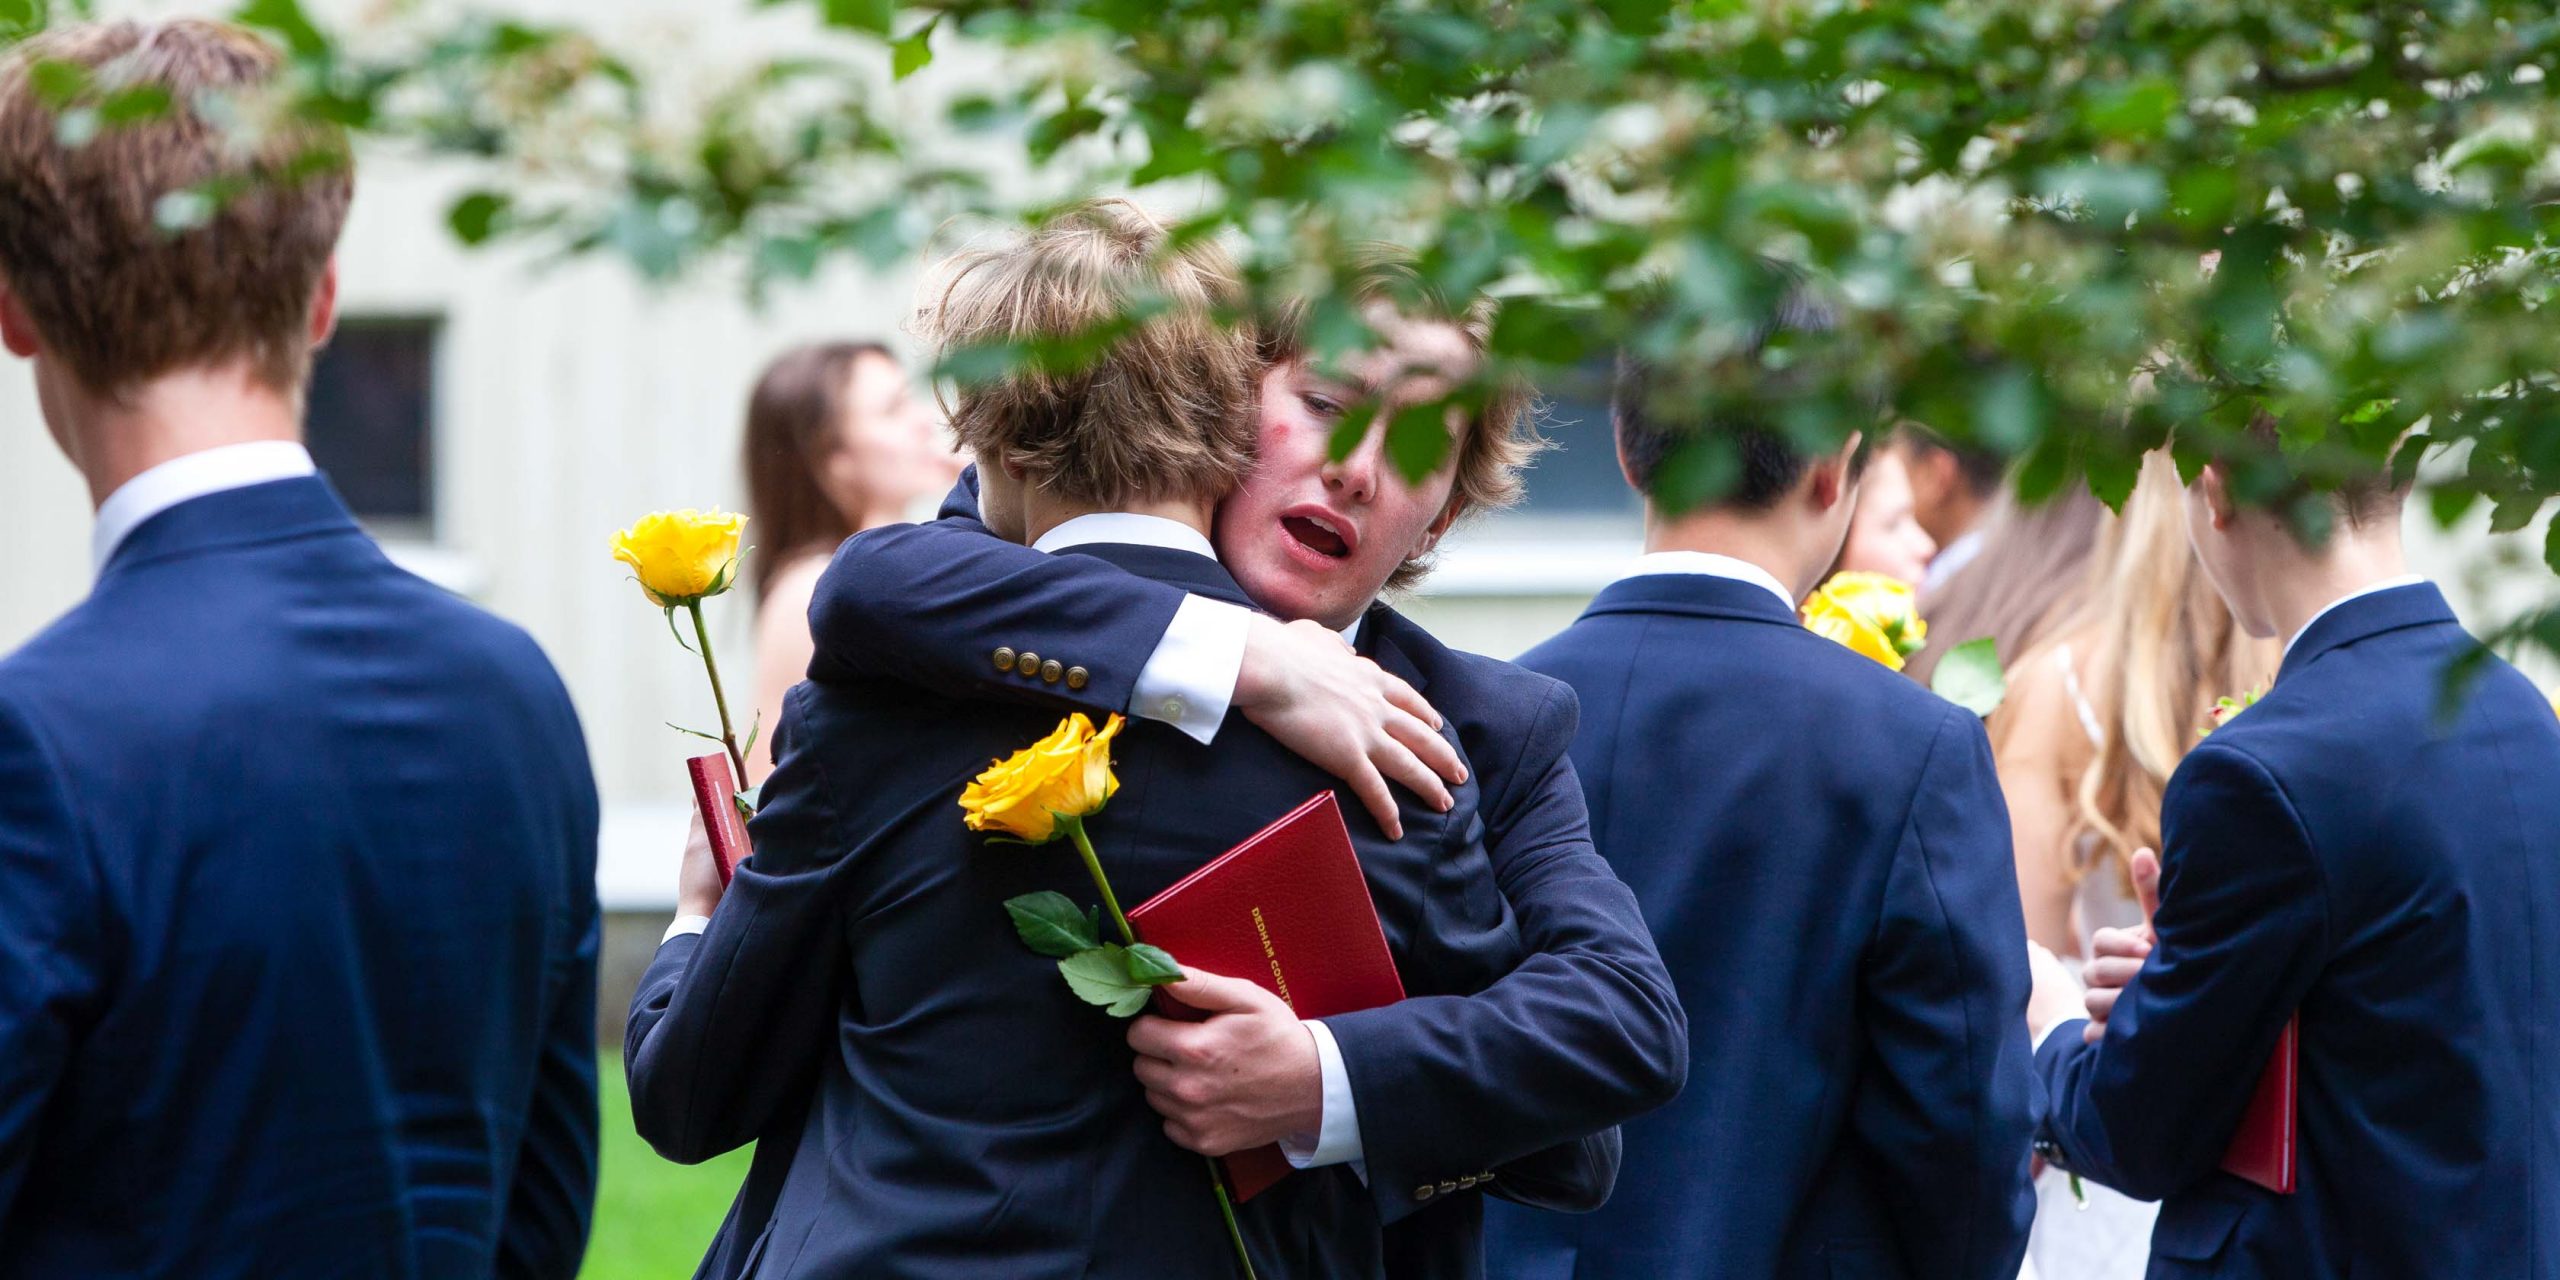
[1247, 1077]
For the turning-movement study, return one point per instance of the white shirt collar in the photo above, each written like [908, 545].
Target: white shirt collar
[230, 466]
[1126, 529]
[2387, 584]
[1711, 564]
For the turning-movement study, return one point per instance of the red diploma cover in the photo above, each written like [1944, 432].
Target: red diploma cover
[715, 794]
[1289, 909]
[2263, 1150]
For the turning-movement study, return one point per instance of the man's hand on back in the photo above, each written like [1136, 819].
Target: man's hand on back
[1343, 713]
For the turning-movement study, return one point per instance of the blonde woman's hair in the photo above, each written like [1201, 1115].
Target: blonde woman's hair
[2163, 648]
[1128, 381]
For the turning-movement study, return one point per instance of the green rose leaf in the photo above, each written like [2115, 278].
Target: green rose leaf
[1152, 966]
[1051, 924]
[1970, 677]
[1100, 976]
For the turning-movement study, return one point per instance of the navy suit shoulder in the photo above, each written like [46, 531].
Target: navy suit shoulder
[324, 815]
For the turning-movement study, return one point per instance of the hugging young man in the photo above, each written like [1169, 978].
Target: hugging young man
[967, 1109]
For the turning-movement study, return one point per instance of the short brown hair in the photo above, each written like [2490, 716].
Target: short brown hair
[1502, 436]
[2361, 496]
[96, 238]
[1160, 405]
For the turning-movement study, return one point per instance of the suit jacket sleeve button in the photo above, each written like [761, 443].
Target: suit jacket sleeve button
[1077, 676]
[1028, 664]
[1447, 1187]
[1004, 658]
[1051, 670]
[1423, 1192]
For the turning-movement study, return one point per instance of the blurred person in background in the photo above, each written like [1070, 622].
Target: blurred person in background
[2027, 575]
[1884, 535]
[1955, 489]
[2095, 721]
[836, 443]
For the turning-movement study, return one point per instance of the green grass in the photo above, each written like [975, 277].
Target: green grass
[654, 1219]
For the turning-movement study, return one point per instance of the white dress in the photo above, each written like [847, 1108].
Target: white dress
[2111, 1238]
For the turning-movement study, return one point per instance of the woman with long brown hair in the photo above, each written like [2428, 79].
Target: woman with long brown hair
[2095, 721]
[836, 443]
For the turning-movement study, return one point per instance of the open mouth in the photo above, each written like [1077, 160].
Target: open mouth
[1318, 535]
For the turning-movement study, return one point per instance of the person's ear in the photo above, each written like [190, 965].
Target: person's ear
[17, 328]
[1831, 475]
[324, 306]
[1449, 513]
[2216, 490]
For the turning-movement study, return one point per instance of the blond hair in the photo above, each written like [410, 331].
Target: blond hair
[1501, 438]
[2162, 647]
[1127, 380]
[170, 242]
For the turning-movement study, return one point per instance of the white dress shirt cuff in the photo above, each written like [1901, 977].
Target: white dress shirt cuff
[683, 926]
[1190, 679]
[1337, 1137]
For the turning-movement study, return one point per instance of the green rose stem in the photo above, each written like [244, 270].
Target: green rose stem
[729, 734]
[1111, 902]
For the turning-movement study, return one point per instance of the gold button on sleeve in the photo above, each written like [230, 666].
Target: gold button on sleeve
[1028, 664]
[1004, 658]
[1423, 1192]
[1051, 670]
[1077, 677]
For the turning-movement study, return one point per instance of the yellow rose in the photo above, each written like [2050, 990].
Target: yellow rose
[1065, 775]
[1871, 613]
[681, 556]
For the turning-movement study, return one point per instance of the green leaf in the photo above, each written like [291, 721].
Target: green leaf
[913, 53]
[475, 217]
[1970, 677]
[1100, 976]
[1152, 966]
[286, 19]
[860, 15]
[1051, 924]
[142, 102]
[2514, 511]
[2551, 546]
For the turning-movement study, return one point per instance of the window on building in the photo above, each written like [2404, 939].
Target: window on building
[370, 420]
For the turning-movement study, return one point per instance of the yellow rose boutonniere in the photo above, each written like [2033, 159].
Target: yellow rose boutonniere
[1871, 613]
[1036, 796]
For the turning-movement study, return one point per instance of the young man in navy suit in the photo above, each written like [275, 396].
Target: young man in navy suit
[944, 1107]
[297, 851]
[1316, 539]
[1822, 852]
[2375, 847]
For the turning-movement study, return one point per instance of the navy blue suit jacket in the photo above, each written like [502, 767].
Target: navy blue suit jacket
[1822, 852]
[1463, 1094]
[297, 966]
[2349, 850]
